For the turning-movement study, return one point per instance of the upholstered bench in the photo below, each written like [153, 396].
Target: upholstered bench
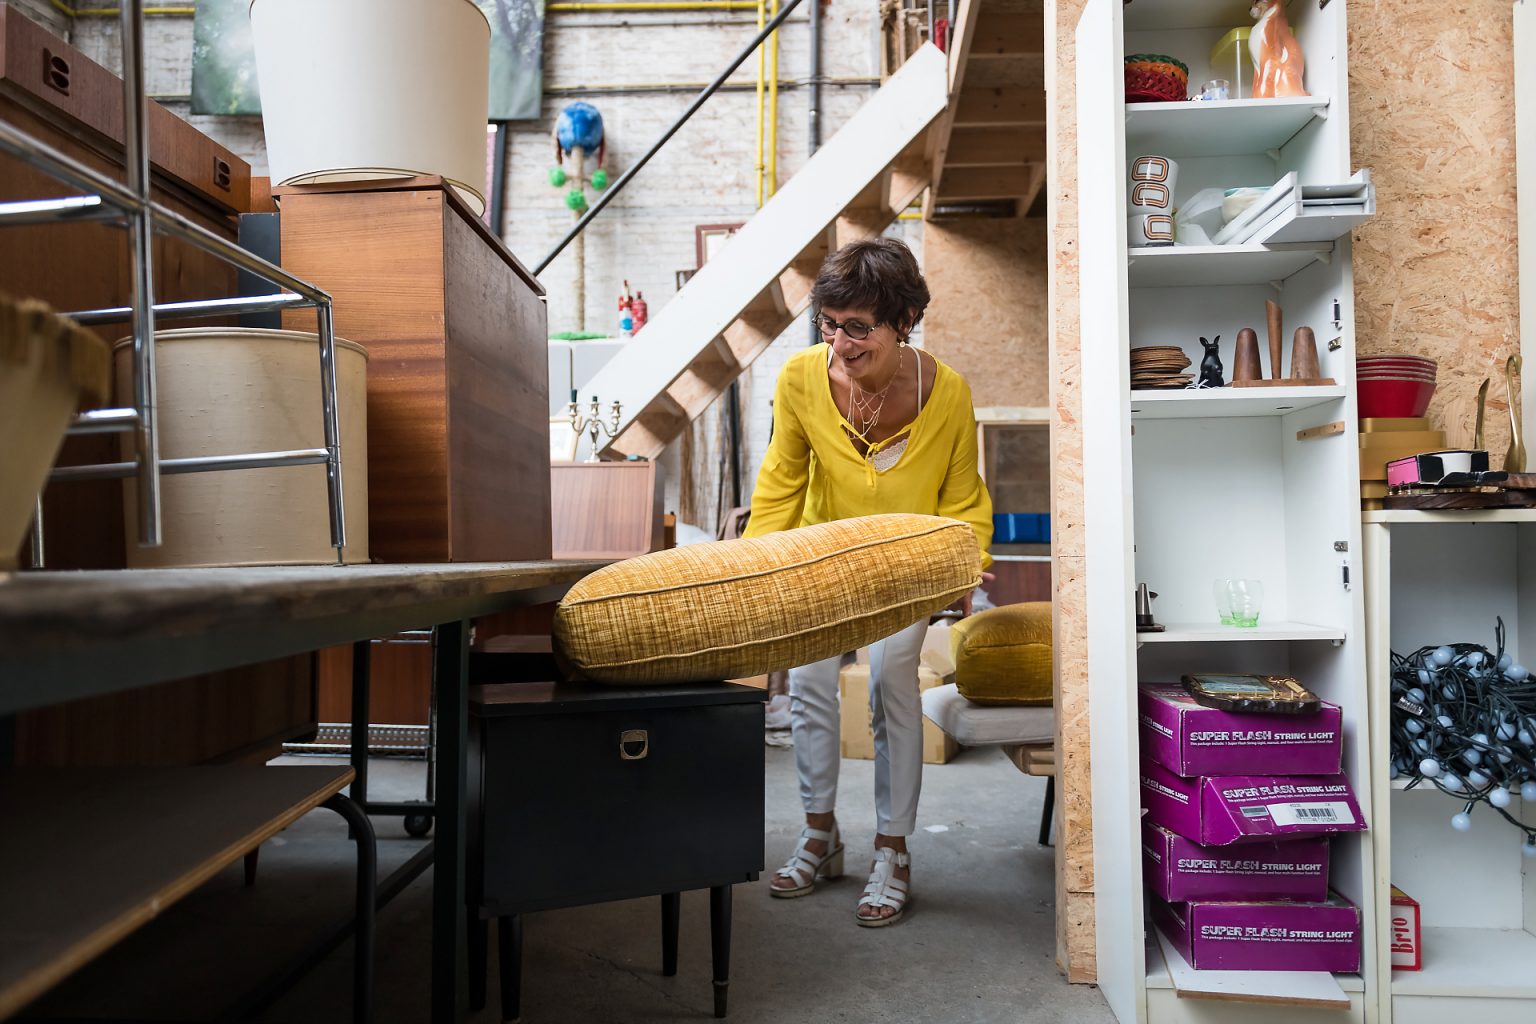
[1027, 734]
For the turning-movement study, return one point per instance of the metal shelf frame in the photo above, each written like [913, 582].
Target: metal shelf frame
[131, 205]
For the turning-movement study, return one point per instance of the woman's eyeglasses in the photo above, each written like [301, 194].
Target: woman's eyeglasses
[858, 330]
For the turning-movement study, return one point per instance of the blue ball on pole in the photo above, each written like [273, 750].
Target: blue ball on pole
[579, 124]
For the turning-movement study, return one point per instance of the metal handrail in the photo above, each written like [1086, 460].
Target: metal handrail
[698, 101]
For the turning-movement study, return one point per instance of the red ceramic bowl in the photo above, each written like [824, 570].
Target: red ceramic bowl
[1417, 374]
[1393, 399]
[1414, 367]
[1417, 379]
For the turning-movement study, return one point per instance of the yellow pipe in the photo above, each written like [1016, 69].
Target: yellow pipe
[112, 12]
[773, 105]
[761, 74]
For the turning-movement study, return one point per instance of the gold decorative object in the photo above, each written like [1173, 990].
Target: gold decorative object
[1482, 408]
[1514, 459]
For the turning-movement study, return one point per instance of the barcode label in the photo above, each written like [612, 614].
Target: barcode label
[1329, 813]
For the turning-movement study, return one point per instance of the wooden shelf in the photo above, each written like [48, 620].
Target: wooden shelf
[1218, 128]
[1485, 515]
[108, 848]
[1203, 266]
[1220, 403]
[1197, 632]
[1488, 963]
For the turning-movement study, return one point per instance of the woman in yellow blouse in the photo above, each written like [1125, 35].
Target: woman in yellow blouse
[866, 424]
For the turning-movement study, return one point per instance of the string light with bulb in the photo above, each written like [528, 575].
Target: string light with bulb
[1464, 721]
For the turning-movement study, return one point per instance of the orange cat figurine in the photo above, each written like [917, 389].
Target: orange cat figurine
[1277, 58]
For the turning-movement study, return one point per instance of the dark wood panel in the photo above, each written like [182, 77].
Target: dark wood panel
[399, 682]
[41, 71]
[244, 714]
[458, 375]
[1019, 581]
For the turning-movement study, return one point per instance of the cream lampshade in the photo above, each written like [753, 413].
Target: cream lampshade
[360, 89]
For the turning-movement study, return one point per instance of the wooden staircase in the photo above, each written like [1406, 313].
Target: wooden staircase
[754, 287]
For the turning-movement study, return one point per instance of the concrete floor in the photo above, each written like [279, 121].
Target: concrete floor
[978, 946]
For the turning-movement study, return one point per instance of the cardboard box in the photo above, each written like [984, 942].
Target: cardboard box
[1190, 739]
[858, 738]
[1263, 936]
[1407, 952]
[1224, 809]
[1179, 869]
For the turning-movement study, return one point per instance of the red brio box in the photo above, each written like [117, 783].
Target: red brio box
[1406, 951]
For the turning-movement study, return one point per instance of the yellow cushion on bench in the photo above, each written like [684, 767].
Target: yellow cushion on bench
[738, 608]
[1003, 655]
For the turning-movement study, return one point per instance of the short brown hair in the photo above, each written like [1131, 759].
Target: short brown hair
[881, 275]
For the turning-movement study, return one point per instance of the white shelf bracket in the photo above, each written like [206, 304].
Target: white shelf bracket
[1337, 643]
[1273, 154]
[1321, 113]
[1278, 285]
[1324, 256]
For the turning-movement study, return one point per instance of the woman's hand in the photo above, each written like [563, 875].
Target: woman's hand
[965, 602]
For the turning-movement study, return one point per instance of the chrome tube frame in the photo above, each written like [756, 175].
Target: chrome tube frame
[197, 464]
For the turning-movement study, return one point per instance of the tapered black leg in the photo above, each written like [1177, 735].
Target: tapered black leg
[671, 907]
[720, 942]
[251, 860]
[450, 664]
[479, 952]
[1048, 810]
[509, 953]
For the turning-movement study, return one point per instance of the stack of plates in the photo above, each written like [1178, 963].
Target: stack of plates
[1395, 367]
[1159, 366]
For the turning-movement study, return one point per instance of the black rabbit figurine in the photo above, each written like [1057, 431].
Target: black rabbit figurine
[1210, 365]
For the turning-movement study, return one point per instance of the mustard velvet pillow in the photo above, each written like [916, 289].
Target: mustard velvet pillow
[1003, 655]
[737, 608]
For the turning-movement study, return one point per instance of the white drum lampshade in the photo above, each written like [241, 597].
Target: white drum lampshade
[362, 89]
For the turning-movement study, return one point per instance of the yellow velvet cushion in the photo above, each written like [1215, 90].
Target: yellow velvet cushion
[1003, 655]
[739, 608]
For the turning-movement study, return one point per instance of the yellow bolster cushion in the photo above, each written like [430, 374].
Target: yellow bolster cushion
[1003, 655]
[737, 608]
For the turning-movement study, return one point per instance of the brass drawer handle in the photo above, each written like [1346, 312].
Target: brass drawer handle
[634, 744]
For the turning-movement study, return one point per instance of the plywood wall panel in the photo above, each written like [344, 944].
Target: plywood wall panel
[1075, 933]
[988, 314]
[1436, 271]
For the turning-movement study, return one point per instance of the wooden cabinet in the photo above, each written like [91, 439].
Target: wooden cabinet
[606, 509]
[1184, 487]
[458, 428]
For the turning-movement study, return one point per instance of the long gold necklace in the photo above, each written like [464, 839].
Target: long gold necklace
[867, 406]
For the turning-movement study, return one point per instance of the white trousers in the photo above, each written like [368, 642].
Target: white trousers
[897, 712]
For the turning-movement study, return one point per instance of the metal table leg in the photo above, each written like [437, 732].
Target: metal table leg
[361, 679]
[450, 673]
[367, 897]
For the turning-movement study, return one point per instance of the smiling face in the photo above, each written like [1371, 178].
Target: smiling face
[871, 360]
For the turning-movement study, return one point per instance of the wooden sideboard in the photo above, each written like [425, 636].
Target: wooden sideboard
[458, 374]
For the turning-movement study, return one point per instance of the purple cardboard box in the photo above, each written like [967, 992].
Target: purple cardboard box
[1224, 809]
[1190, 739]
[1178, 869]
[1261, 936]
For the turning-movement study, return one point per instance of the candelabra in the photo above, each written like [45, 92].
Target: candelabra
[593, 422]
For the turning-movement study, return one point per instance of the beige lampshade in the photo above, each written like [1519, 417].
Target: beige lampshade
[231, 390]
[362, 89]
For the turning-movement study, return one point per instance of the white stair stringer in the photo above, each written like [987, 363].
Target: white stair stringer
[752, 289]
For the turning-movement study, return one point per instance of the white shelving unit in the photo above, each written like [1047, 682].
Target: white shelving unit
[1444, 577]
[1183, 487]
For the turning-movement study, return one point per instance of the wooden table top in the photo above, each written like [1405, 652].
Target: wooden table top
[107, 849]
[66, 635]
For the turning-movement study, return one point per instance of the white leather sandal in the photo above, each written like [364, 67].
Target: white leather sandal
[804, 867]
[885, 889]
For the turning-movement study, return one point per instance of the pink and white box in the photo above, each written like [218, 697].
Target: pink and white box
[1179, 869]
[1224, 809]
[1191, 739]
[1263, 936]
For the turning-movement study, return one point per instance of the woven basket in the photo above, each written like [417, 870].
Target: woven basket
[1155, 77]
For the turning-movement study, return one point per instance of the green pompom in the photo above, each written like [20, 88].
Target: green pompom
[599, 179]
[575, 200]
[557, 176]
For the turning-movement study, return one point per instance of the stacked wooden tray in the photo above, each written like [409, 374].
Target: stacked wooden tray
[1159, 367]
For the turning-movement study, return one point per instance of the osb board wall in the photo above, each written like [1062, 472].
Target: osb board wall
[1436, 271]
[1435, 274]
[1075, 936]
[987, 317]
